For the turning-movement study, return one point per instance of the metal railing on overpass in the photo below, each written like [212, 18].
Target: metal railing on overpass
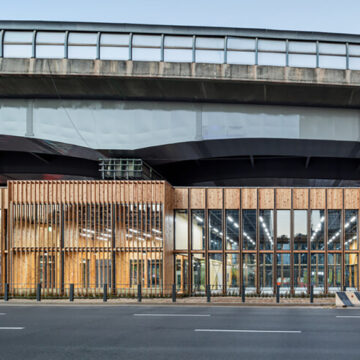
[55, 40]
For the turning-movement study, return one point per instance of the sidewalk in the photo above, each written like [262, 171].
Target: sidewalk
[216, 301]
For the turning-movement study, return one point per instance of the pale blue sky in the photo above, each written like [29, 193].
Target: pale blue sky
[311, 15]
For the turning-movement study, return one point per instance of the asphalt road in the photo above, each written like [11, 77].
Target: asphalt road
[178, 332]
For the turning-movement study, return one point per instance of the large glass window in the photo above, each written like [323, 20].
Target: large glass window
[181, 273]
[317, 272]
[300, 273]
[249, 229]
[351, 229]
[283, 272]
[300, 229]
[266, 273]
[216, 273]
[334, 272]
[283, 229]
[266, 230]
[198, 273]
[334, 229]
[249, 272]
[317, 229]
[233, 273]
[351, 271]
[181, 230]
[232, 229]
[198, 229]
[215, 230]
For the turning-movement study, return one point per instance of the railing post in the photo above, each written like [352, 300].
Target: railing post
[243, 294]
[174, 293]
[66, 45]
[311, 293]
[6, 293]
[139, 293]
[225, 49]
[105, 293]
[130, 46]
[38, 292]
[208, 294]
[71, 294]
[277, 293]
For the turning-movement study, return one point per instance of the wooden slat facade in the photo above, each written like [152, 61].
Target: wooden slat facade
[122, 233]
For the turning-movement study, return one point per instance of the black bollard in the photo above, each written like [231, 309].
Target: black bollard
[6, 292]
[139, 293]
[311, 294]
[243, 294]
[38, 292]
[277, 293]
[71, 295]
[174, 293]
[208, 295]
[105, 293]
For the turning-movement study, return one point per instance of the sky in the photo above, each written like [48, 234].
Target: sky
[339, 16]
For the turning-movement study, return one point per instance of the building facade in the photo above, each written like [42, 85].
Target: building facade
[125, 233]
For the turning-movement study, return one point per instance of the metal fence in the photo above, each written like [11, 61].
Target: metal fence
[179, 44]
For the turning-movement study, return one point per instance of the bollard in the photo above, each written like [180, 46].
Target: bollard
[105, 293]
[243, 294]
[344, 288]
[277, 293]
[6, 293]
[71, 295]
[208, 293]
[174, 293]
[38, 292]
[311, 294]
[139, 293]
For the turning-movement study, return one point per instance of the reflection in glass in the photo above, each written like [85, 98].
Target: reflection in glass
[232, 229]
[266, 273]
[198, 273]
[283, 229]
[351, 229]
[249, 229]
[233, 274]
[216, 273]
[215, 230]
[300, 229]
[283, 272]
[317, 272]
[317, 229]
[334, 272]
[300, 273]
[181, 273]
[266, 230]
[351, 271]
[181, 229]
[249, 272]
[198, 229]
[334, 229]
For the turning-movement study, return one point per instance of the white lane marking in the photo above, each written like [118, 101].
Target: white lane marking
[12, 328]
[349, 316]
[250, 331]
[2, 313]
[192, 315]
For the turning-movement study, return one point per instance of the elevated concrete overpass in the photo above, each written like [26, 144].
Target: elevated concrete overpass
[259, 106]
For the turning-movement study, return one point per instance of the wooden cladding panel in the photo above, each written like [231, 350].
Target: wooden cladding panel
[249, 198]
[266, 198]
[197, 198]
[215, 198]
[351, 198]
[31, 192]
[317, 198]
[300, 198]
[334, 198]
[232, 198]
[283, 198]
[181, 198]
